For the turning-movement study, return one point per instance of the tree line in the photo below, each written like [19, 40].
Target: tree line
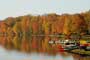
[22, 33]
[47, 24]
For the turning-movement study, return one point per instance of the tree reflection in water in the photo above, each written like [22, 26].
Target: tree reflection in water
[39, 44]
[35, 44]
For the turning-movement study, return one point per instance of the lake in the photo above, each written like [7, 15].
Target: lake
[15, 55]
[33, 48]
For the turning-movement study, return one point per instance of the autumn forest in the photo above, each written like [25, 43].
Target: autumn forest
[26, 33]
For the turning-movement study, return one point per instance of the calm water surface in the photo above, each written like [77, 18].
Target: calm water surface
[33, 48]
[15, 55]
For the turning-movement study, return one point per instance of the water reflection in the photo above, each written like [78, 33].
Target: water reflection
[39, 44]
[33, 48]
[14, 55]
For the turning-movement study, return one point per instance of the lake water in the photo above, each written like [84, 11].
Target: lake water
[33, 48]
[15, 55]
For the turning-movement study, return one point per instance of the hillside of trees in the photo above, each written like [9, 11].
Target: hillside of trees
[47, 24]
[22, 33]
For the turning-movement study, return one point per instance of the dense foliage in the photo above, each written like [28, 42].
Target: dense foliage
[23, 32]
